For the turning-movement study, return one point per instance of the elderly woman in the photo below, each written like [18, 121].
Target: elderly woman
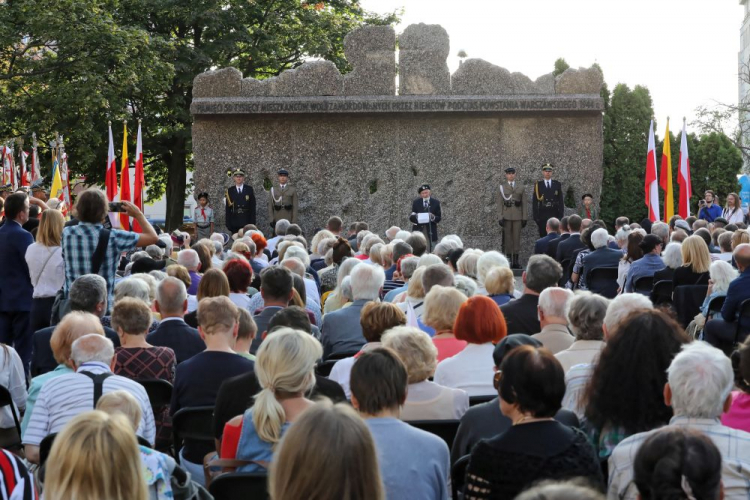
[739, 237]
[672, 258]
[375, 318]
[74, 325]
[586, 313]
[696, 260]
[136, 359]
[315, 255]
[441, 307]
[425, 400]
[135, 288]
[466, 286]
[499, 284]
[721, 273]
[531, 385]
[239, 275]
[336, 299]
[467, 263]
[320, 259]
[329, 277]
[486, 262]
[414, 298]
[479, 323]
[621, 237]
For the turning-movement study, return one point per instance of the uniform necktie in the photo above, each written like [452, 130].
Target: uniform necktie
[547, 183]
[513, 185]
[425, 204]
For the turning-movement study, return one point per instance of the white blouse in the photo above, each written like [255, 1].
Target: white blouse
[46, 269]
[471, 370]
[13, 379]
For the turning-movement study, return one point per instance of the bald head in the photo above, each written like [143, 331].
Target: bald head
[294, 265]
[171, 297]
[742, 256]
[92, 347]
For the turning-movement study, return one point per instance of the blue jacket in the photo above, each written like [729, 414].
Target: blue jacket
[15, 283]
[710, 213]
[738, 291]
[341, 331]
[542, 244]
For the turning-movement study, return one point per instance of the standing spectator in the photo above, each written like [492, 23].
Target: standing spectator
[136, 359]
[699, 383]
[46, 267]
[16, 290]
[647, 265]
[720, 332]
[413, 463]
[708, 210]
[480, 323]
[425, 400]
[521, 314]
[79, 242]
[173, 332]
[198, 379]
[733, 210]
[536, 447]
[192, 262]
[553, 304]
[695, 263]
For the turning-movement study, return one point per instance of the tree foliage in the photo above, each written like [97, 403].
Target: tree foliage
[560, 66]
[72, 65]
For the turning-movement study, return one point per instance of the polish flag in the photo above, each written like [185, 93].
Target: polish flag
[140, 182]
[683, 177]
[652, 183]
[111, 179]
[24, 174]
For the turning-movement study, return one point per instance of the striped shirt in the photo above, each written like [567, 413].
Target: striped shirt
[64, 397]
[15, 481]
[78, 247]
[734, 446]
[576, 380]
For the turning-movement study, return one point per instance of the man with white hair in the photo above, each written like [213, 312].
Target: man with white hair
[601, 256]
[408, 266]
[391, 232]
[173, 332]
[300, 268]
[191, 261]
[67, 396]
[280, 230]
[555, 335]
[341, 331]
[661, 229]
[699, 389]
[621, 306]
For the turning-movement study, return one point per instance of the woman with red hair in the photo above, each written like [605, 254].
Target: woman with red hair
[481, 324]
[239, 274]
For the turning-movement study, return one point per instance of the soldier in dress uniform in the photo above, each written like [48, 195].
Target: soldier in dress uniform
[547, 200]
[203, 215]
[282, 200]
[240, 203]
[512, 202]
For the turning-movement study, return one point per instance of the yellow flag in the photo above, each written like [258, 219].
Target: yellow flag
[57, 185]
[665, 181]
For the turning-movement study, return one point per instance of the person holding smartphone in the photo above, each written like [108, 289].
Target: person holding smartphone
[708, 209]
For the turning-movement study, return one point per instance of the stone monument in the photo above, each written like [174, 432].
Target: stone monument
[356, 149]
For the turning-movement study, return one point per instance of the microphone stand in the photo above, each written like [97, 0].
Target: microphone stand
[429, 226]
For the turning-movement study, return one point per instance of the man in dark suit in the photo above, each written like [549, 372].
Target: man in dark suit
[602, 256]
[547, 200]
[721, 332]
[88, 294]
[426, 204]
[342, 332]
[276, 284]
[15, 284]
[564, 235]
[240, 203]
[173, 332]
[566, 248]
[553, 233]
[521, 315]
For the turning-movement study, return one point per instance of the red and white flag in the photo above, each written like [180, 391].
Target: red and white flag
[111, 178]
[652, 178]
[683, 177]
[12, 166]
[139, 181]
[24, 172]
[5, 174]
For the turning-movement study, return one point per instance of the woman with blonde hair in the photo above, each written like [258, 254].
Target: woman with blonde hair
[499, 284]
[308, 467]
[733, 210]
[95, 457]
[441, 307]
[216, 285]
[414, 296]
[46, 267]
[739, 237]
[285, 367]
[696, 261]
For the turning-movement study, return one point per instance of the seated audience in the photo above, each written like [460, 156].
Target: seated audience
[553, 304]
[698, 390]
[285, 370]
[738, 415]
[425, 400]
[412, 302]
[441, 307]
[405, 269]
[562, 490]
[136, 288]
[467, 264]
[672, 258]
[677, 462]
[485, 263]
[601, 256]
[484, 421]
[136, 359]
[725, 245]
[87, 294]
[721, 275]
[173, 331]
[413, 463]
[553, 232]
[239, 275]
[566, 248]
[341, 331]
[17, 482]
[246, 333]
[564, 235]
[191, 261]
[307, 447]
[633, 253]
[96, 456]
[535, 447]
[647, 265]
[329, 276]
[213, 284]
[198, 379]
[521, 314]
[586, 313]
[480, 324]
[276, 289]
[695, 262]
[720, 332]
[499, 284]
[66, 396]
[624, 397]
[336, 298]
[377, 317]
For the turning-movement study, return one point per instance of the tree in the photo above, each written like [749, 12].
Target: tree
[560, 66]
[178, 40]
[715, 165]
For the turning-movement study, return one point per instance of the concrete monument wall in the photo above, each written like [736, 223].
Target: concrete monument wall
[356, 149]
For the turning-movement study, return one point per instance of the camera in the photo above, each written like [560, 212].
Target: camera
[701, 202]
[116, 206]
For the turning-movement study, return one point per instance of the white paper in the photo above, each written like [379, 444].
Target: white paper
[423, 218]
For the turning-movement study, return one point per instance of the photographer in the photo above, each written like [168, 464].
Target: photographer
[708, 209]
[87, 242]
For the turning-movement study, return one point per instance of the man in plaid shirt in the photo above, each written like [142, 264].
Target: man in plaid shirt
[79, 242]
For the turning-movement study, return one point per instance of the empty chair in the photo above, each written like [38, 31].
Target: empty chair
[240, 486]
[603, 280]
[444, 429]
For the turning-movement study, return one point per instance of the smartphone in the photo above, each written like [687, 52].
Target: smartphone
[116, 206]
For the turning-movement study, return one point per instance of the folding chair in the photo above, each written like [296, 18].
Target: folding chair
[240, 486]
[644, 285]
[478, 400]
[444, 429]
[458, 476]
[603, 280]
[194, 424]
[159, 391]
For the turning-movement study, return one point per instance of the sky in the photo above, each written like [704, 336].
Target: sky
[684, 51]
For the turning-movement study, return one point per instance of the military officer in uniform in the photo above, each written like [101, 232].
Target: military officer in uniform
[547, 200]
[513, 215]
[282, 200]
[240, 203]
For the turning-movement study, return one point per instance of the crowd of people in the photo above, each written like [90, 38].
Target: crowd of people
[327, 363]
